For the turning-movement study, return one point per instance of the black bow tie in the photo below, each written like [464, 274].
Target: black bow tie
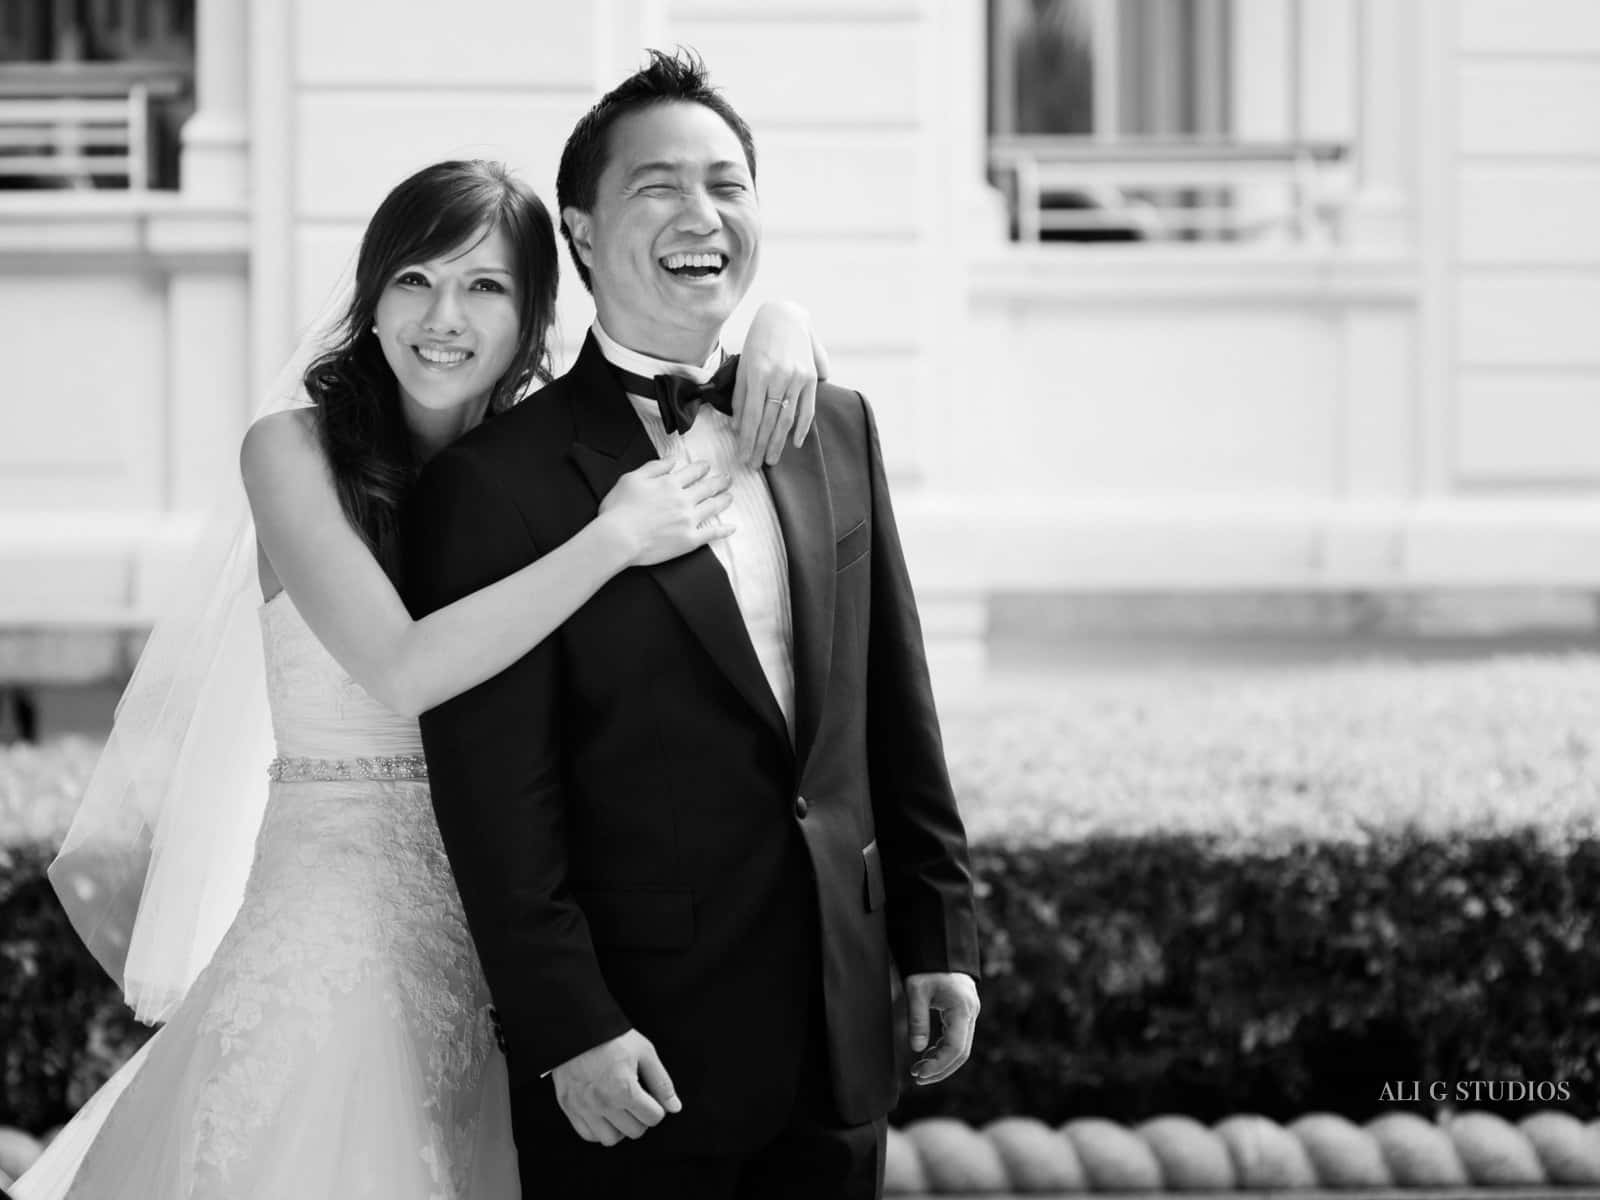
[679, 399]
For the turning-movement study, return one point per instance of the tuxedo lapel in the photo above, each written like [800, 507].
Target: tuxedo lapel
[799, 485]
[610, 442]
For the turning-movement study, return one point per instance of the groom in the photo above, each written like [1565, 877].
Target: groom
[692, 829]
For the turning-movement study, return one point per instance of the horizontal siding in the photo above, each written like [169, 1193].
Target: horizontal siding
[1533, 319]
[874, 295]
[1530, 26]
[843, 184]
[834, 12]
[1546, 214]
[813, 73]
[1519, 108]
[1526, 386]
[1524, 426]
[354, 146]
[94, 442]
[1155, 401]
[893, 386]
[322, 253]
[465, 43]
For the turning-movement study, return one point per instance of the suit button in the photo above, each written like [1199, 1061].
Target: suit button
[801, 807]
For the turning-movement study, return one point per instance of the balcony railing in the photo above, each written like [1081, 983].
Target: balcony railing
[1075, 187]
[82, 124]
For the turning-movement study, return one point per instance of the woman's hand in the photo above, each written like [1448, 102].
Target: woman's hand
[776, 389]
[661, 510]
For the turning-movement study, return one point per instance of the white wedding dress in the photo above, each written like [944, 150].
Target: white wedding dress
[340, 1042]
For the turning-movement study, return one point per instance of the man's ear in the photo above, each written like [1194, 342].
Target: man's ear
[581, 231]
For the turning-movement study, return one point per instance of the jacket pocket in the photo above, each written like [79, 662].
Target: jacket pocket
[638, 918]
[853, 546]
[873, 889]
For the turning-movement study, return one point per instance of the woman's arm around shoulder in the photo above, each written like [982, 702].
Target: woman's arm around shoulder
[354, 609]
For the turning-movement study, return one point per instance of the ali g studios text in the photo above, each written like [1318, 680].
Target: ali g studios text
[1475, 1091]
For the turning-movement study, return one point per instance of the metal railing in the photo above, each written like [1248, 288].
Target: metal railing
[1170, 188]
[75, 124]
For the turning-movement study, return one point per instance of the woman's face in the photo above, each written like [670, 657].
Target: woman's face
[448, 328]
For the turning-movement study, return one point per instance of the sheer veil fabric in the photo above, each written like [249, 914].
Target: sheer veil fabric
[326, 1028]
[153, 867]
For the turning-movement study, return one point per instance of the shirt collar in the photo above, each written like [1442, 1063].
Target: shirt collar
[642, 364]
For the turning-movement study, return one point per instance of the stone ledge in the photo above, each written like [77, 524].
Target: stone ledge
[1468, 1156]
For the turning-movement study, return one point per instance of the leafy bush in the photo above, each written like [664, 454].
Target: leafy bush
[1274, 892]
[1130, 977]
[66, 1028]
[1270, 892]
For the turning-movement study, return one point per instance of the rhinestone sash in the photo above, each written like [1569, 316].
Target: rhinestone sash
[328, 770]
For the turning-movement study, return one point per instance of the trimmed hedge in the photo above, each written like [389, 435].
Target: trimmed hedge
[1273, 894]
[1125, 978]
[1274, 890]
[65, 1027]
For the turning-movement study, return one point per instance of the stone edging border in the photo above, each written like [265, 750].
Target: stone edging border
[1466, 1156]
[1467, 1151]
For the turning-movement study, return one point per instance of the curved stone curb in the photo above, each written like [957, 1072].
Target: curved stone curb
[1319, 1152]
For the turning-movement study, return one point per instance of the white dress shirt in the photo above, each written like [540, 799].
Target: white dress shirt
[754, 555]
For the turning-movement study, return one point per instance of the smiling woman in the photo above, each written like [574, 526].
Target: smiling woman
[459, 256]
[448, 329]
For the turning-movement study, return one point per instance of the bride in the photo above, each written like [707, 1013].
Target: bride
[328, 1032]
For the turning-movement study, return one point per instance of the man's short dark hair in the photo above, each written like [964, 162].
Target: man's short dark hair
[677, 76]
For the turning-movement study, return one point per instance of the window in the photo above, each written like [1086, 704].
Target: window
[1125, 120]
[94, 92]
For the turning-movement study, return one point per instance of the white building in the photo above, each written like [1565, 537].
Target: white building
[1397, 386]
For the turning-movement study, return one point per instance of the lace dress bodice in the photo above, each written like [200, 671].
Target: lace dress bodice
[318, 711]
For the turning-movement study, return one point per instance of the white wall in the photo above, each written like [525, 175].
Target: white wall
[368, 102]
[1419, 404]
[1414, 406]
[126, 331]
[848, 156]
[1522, 117]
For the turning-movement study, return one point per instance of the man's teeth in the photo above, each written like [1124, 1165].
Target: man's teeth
[681, 262]
[444, 358]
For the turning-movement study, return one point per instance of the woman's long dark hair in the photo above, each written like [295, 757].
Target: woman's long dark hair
[361, 424]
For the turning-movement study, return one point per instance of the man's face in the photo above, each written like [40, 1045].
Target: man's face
[674, 236]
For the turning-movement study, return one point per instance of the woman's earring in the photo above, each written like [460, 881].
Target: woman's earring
[374, 327]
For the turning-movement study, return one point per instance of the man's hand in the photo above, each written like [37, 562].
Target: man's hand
[775, 392]
[615, 1090]
[955, 998]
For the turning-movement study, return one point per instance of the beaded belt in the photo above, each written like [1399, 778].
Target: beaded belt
[317, 770]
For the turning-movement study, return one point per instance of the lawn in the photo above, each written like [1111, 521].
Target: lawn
[1326, 752]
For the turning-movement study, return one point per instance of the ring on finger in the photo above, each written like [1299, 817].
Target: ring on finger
[780, 401]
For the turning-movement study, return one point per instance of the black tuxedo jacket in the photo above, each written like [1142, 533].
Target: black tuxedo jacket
[635, 838]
